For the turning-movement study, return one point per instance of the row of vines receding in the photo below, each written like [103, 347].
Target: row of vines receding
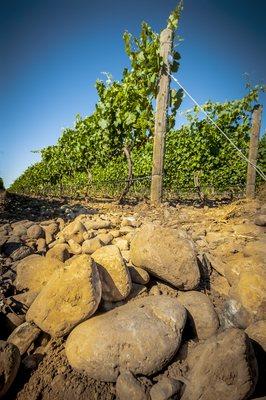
[90, 158]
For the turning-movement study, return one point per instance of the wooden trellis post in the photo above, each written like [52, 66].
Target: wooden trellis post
[162, 101]
[253, 151]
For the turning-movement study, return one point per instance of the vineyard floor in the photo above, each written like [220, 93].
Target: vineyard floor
[230, 242]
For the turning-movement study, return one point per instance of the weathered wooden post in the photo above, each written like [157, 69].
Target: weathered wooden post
[162, 101]
[253, 151]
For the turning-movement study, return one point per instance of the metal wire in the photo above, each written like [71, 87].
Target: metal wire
[257, 169]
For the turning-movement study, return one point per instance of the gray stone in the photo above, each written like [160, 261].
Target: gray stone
[23, 336]
[260, 220]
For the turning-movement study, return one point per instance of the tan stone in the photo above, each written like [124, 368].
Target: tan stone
[41, 245]
[115, 278]
[237, 263]
[72, 295]
[74, 231]
[91, 245]
[128, 387]
[122, 244]
[59, 251]
[51, 228]
[220, 285]
[60, 240]
[115, 233]
[256, 248]
[97, 224]
[201, 313]
[88, 235]
[34, 271]
[166, 388]
[74, 247]
[49, 238]
[25, 298]
[138, 275]
[126, 229]
[250, 290]
[162, 253]
[126, 255]
[248, 230]
[105, 238]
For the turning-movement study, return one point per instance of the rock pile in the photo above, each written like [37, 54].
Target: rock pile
[126, 296]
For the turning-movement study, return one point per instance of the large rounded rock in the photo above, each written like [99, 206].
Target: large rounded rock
[201, 312]
[72, 294]
[115, 277]
[224, 368]
[34, 271]
[164, 254]
[9, 365]
[140, 336]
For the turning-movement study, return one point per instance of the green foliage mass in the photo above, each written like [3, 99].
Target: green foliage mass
[89, 157]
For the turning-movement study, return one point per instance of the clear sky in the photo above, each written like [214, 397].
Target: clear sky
[52, 51]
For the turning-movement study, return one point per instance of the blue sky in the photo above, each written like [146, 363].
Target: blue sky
[52, 52]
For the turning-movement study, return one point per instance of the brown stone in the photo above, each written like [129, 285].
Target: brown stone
[201, 312]
[162, 253]
[128, 387]
[223, 367]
